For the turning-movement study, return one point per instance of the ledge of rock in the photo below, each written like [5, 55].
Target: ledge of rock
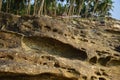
[43, 48]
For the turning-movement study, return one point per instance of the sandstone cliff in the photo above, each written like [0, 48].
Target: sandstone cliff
[44, 48]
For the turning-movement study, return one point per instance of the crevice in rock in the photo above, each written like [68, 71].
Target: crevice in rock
[84, 77]
[55, 30]
[117, 48]
[93, 60]
[7, 57]
[102, 78]
[54, 47]
[104, 60]
[114, 63]
[93, 78]
[113, 31]
[47, 27]
[43, 76]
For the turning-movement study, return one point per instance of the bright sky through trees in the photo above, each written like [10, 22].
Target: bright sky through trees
[88, 10]
[116, 9]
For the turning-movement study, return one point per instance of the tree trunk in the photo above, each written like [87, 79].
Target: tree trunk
[41, 8]
[0, 5]
[29, 7]
[45, 7]
[55, 8]
[80, 7]
[66, 10]
[7, 5]
[35, 7]
[71, 6]
[87, 8]
[96, 3]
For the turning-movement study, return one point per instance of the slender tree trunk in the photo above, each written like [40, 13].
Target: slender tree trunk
[18, 7]
[71, 6]
[35, 5]
[66, 10]
[45, 7]
[69, 12]
[55, 8]
[41, 8]
[0, 5]
[104, 10]
[96, 3]
[7, 5]
[29, 7]
[87, 9]
[80, 7]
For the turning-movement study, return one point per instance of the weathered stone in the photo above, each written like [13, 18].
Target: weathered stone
[43, 48]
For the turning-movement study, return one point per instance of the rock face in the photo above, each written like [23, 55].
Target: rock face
[43, 48]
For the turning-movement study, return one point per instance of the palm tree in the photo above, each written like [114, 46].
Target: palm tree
[52, 7]
[80, 4]
[6, 5]
[55, 7]
[87, 11]
[45, 8]
[108, 6]
[71, 8]
[96, 2]
[35, 7]
[105, 6]
[28, 7]
[41, 8]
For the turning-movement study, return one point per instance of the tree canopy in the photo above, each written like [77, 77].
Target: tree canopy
[83, 8]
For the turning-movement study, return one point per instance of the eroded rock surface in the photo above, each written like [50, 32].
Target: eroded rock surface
[43, 48]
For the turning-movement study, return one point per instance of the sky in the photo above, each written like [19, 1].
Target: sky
[116, 9]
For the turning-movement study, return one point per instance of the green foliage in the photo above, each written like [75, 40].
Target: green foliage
[83, 8]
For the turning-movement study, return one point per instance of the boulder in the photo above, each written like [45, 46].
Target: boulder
[43, 48]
